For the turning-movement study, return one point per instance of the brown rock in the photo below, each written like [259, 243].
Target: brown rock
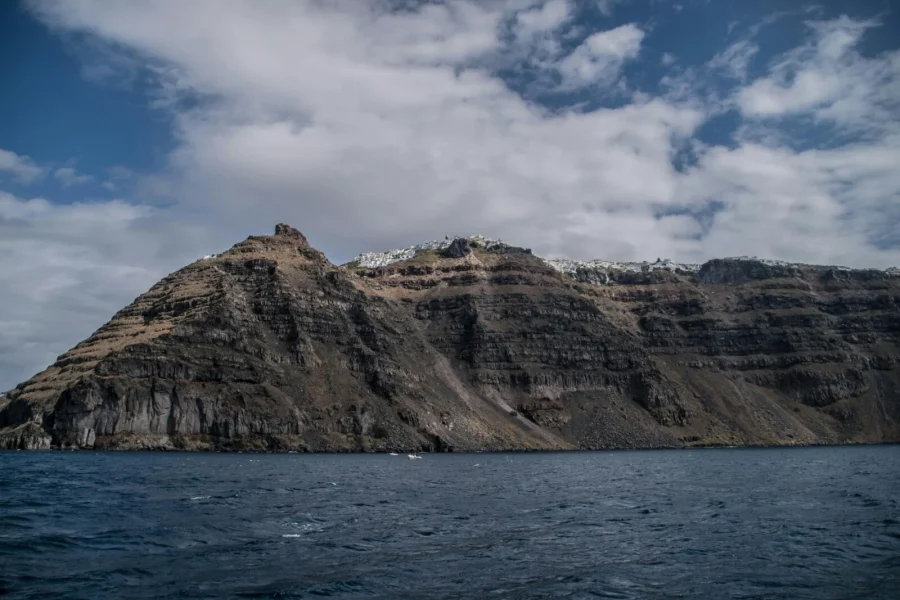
[268, 346]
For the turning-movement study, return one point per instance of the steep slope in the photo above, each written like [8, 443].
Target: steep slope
[472, 344]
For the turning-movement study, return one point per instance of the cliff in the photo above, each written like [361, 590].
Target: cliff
[473, 344]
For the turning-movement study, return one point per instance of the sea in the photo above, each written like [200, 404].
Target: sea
[796, 523]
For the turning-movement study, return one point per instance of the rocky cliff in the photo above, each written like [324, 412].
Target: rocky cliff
[472, 344]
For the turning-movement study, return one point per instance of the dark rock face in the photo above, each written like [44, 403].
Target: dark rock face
[457, 249]
[729, 270]
[285, 230]
[270, 347]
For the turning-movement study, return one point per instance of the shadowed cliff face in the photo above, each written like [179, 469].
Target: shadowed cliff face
[269, 346]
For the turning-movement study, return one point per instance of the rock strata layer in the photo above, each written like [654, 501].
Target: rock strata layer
[473, 344]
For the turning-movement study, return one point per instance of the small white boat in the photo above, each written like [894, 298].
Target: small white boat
[413, 456]
[393, 454]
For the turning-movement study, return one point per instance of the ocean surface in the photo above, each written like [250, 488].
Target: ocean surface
[778, 523]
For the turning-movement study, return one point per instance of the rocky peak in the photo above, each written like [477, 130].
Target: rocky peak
[458, 248]
[286, 244]
[285, 230]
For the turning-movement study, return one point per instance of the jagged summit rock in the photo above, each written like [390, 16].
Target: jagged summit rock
[285, 244]
[470, 343]
[285, 230]
[458, 248]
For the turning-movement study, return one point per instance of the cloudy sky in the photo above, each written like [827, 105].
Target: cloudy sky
[138, 136]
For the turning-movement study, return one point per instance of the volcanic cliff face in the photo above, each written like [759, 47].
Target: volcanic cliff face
[472, 344]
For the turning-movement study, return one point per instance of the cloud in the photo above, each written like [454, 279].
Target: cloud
[830, 80]
[734, 61]
[372, 129]
[369, 119]
[811, 173]
[543, 18]
[436, 34]
[120, 173]
[22, 168]
[606, 6]
[775, 202]
[600, 57]
[119, 177]
[69, 176]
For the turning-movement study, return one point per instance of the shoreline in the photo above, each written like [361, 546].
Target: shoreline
[501, 451]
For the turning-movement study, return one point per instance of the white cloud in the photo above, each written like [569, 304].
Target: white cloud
[831, 196]
[809, 89]
[828, 79]
[778, 203]
[606, 6]
[69, 176]
[543, 18]
[373, 130]
[22, 168]
[119, 176]
[436, 34]
[668, 59]
[600, 57]
[120, 173]
[735, 59]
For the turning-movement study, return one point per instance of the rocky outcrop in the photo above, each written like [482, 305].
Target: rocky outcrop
[724, 270]
[473, 344]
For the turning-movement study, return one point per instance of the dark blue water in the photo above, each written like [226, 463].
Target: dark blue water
[799, 523]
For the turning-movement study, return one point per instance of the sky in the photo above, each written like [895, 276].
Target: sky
[136, 137]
